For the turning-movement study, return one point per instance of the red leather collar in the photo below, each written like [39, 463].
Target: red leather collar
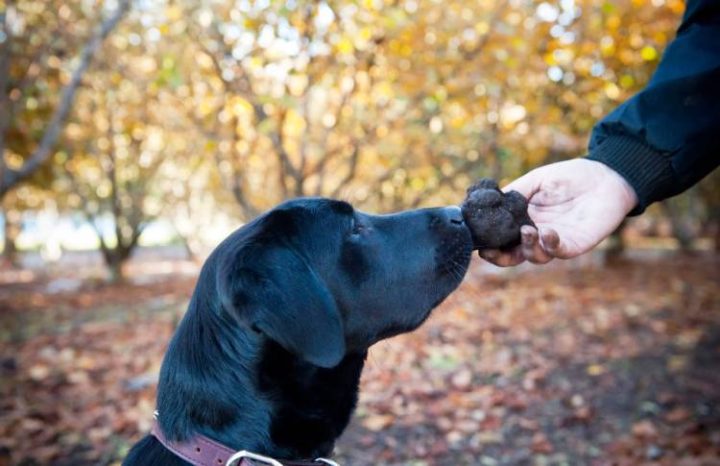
[202, 451]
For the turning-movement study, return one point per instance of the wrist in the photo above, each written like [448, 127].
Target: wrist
[643, 167]
[626, 195]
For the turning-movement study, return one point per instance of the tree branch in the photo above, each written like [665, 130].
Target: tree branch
[320, 166]
[307, 39]
[243, 87]
[90, 217]
[11, 178]
[352, 170]
[4, 100]
[443, 180]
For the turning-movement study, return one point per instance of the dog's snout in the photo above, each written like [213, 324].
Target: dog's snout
[451, 216]
[455, 215]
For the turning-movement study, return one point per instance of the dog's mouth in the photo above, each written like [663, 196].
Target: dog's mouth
[452, 257]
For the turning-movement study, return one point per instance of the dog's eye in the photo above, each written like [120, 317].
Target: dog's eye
[356, 227]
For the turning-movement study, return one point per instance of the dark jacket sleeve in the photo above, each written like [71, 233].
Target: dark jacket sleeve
[667, 137]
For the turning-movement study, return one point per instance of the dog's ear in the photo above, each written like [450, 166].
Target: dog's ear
[274, 290]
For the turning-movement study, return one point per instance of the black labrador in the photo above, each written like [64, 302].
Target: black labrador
[269, 354]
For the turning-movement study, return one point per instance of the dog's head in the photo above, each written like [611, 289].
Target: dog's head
[322, 279]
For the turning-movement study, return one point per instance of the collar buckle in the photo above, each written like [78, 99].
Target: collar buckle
[235, 459]
[266, 460]
[326, 461]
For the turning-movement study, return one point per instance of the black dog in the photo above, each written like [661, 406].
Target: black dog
[269, 354]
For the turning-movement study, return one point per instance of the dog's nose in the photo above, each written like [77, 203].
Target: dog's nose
[452, 216]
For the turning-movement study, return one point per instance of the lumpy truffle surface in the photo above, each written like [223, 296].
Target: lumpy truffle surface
[493, 217]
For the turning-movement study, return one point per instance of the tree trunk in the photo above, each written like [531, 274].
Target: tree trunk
[191, 250]
[714, 229]
[680, 230]
[616, 247]
[115, 261]
[116, 266]
[9, 178]
[12, 230]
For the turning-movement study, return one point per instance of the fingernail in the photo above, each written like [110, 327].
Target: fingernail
[551, 240]
[489, 254]
[527, 236]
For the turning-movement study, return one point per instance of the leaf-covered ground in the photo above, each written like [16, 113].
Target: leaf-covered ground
[538, 366]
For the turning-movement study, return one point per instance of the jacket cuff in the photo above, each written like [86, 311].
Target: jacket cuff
[647, 170]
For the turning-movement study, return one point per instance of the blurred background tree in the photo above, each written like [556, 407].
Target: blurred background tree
[197, 110]
[136, 134]
[35, 44]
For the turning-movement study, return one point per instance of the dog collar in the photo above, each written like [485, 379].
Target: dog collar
[203, 451]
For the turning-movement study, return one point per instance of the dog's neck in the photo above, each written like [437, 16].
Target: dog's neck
[312, 405]
[245, 391]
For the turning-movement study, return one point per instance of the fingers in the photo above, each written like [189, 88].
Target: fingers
[532, 248]
[502, 258]
[554, 247]
[537, 247]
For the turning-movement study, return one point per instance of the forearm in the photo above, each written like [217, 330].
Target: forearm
[662, 141]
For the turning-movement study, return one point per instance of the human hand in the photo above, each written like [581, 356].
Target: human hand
[575, 204]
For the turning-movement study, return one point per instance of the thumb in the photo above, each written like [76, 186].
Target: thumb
[527, 185]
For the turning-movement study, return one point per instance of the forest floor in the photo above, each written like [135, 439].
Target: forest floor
[563, 365]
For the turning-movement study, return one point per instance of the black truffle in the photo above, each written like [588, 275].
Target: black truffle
[493, 217]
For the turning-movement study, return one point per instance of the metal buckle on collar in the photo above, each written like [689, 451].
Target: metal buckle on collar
[326, 461]
[244, 454]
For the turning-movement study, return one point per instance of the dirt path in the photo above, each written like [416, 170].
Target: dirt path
[608, 366]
